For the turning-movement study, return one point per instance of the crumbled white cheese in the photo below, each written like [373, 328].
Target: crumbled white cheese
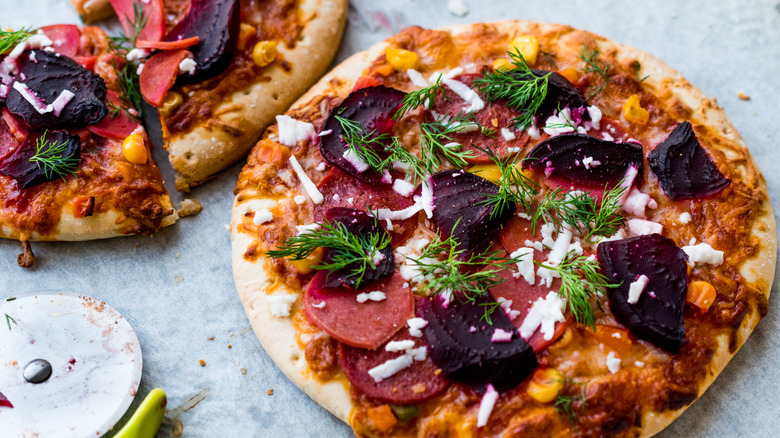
[507, 306]
[292, 131]
[396, 346]
[588, 162]
[525, 267]
[639, 363]
[377, 258]
[393, 366]
[417, 79]
[373, 296]
[308, 228]
[403, 188]
[457, 8]
[500, 335]
[563, 245]
[595, 118]
[281, 304]
[640, 227]
[354, 159]
[308, 185]
[262, 216]
[560, 122]
[415, 326]
[620, 234]
[320, 305]
[507, 134]
[187, 65]
[486, 405]
[422, 202]
[636, 288]
[616, 335]
[613, 362]
[703, 253]
[350, 200]
[299, 199]
[136, 54]
[320, 167]
[34, 42]
[636, 202]
[544, 312]
[467, 94]
[533, 132]
[685, 217]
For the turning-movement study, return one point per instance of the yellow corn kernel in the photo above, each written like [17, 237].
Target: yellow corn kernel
[545, 385]
[490, 172]
[245, 32]
[401, 59]
[570, 73]
[304, 266]
[528, 46]
[701, 294]
[134, 149]
[634, 113]
[264, 53]
[171, 102]
[502, 64]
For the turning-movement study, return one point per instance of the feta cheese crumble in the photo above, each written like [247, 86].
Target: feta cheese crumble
[292, 131]
[636, 288]
[544, 312]
[703, 253]
[280, 305]
[373, 296]
[613, 362]
[486, 405]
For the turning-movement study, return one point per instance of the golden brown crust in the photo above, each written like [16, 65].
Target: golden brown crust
[215, 144]
[670, 93]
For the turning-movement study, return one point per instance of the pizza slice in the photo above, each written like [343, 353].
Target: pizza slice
[75, 162]
[217, 72]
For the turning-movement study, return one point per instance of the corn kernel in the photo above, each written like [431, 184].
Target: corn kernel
[264, 53]
[634, 113]
[701, 294]
[246, 31]
[570, 73]
[134, 149]
[502, 64]
[171, 102]
[304, 266]
[528, 46]
[545, 385]
[401, 59]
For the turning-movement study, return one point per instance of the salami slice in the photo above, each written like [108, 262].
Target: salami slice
[363, 325]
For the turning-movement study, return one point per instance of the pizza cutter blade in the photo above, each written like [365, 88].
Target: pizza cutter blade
[69, 364]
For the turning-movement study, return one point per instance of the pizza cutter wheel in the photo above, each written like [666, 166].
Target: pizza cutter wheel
[70, 366]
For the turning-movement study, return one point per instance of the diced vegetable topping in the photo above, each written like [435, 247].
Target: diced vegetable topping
[683, 168]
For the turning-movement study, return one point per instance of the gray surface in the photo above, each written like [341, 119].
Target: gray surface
[176, 287]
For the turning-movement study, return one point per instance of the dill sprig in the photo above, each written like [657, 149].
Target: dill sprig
[9, 320]
[424, 97]
[594, 65]
[564, 404]
[127, 75]
[349, 251]
[581, 211]
[522, 90]
[437, 145]
[50, 158]
[366, 144]
[130, 88]
[137, 23]
[581, 280]
[10, 38]
[513, 186]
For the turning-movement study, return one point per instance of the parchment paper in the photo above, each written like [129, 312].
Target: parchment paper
[176, 287]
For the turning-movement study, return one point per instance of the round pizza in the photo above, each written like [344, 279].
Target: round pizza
[503, 229]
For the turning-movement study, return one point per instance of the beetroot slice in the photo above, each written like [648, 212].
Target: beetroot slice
[374, 108]
[362, 325]
[658, 315]
[27, 173]
[359, 223]
[459, 342]
[684, 168]
[560, 94]
[460, 198]
[217, 23]
[47, 76]
[563, 156]
[414, 384]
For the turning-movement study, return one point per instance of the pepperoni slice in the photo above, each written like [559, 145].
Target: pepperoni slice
[65, 38]
[338, 182]
[159, 74]
[8, 142]
[419, 382]
[115, 126]
[362, 325]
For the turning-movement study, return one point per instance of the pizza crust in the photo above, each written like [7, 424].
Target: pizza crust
[199, 154]
[252, 282]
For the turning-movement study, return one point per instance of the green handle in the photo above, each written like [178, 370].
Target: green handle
[146, 421]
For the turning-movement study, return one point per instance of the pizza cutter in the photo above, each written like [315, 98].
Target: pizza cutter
[70, 366]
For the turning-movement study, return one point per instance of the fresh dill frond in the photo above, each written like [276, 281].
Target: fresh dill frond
[51, 159]
[522, 90]
[347, 250]
[564, 404]
[10, 38]
[594, 65]
[437, 145]
[513, 186]
[581, 280]
[9, 320]
[424, 97]
[137, 23]
[567, 122]
[366, 144]
[489, 308]
[130, 87]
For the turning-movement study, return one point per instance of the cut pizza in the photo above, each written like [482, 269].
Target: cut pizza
[503, 229]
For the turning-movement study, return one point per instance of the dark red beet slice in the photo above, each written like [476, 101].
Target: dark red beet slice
[373, 107]
[658, 315]
[460, 199]
[27, 173]
[361, 325]
[684, 168]
[66, 38]
[217, 23]
[459, 342]
[361, 194]
[560, 94]
[414, 384]
[4, 403]
[48, 75]
[562, 156]
[361, 224]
